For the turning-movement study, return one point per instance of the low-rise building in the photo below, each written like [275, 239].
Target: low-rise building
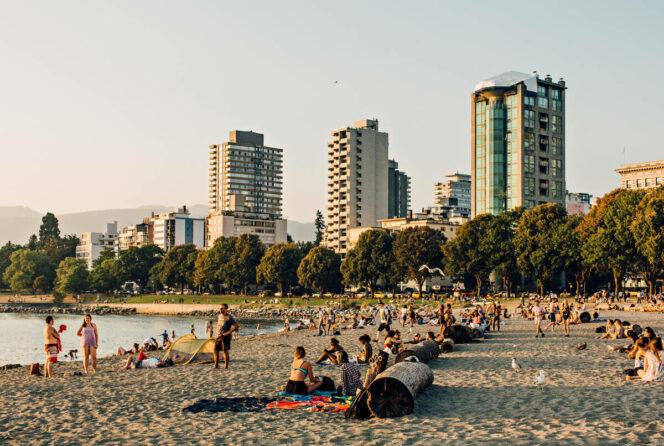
[177, 228]
[92, 244]
[578, 203]
[135, 235]
[241, 220]
[641, 175]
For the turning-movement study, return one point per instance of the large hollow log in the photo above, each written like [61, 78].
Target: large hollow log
[424, 352]
[393, 392]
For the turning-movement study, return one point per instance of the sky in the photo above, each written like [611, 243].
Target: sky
[114, 104]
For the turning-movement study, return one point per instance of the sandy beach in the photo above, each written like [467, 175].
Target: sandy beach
[476, 397]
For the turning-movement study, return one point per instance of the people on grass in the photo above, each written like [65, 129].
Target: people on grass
[89, 342]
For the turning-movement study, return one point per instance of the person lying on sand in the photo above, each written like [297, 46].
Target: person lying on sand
[330, 352]
[136, 361]
[300, 370]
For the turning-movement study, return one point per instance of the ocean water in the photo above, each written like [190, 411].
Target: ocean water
[21, 334]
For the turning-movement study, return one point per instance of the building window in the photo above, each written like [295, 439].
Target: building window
[544, 143]
[556, 189]
[557, 168]
[649, 182]
[529, 164]
[659, 181]
[529, 100]
[639, 183]
[543, 121]
[556, 145]
[528, 141]
[544, 188]
[628, 184]
[529, 119]
[529, 187]
[556, 124]
[544, 166]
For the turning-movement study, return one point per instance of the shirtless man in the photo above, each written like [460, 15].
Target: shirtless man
[51, 346]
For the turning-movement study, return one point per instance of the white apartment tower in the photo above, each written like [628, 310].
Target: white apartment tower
[357, 186]
[246, 180]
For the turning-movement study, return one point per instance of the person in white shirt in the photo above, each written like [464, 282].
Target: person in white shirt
[383, 320]
[538, 312]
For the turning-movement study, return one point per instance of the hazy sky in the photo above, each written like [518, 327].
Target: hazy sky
[114, 104]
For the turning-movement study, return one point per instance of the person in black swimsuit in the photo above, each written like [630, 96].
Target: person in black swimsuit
[300, 370]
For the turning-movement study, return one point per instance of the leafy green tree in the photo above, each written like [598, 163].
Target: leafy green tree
[470, 252]
[537, 242]
[648, 231]
[33, 243]
[279, 266]
[40, 285]
[178, 265]
[60, 248]
[500, 241]
[104, 276]
[612, 242]
[212, 265]
[246, 256]
[25, 266]
[72, 276]
[136, 263]
[319, 270]
[372, 259]
[5, 259]
[319, 225]
[105, 254]
[49, 229]
[414, 247]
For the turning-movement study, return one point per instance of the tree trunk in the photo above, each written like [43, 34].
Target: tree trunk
[508, 286]
[424, 351]
[393, 392]
[420, 283]
[616, 283]
[478, 279]
[540, 288]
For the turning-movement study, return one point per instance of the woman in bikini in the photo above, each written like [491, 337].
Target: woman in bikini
[300, 370]
[89, 342]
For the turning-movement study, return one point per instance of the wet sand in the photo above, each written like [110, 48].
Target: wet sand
[476, 397]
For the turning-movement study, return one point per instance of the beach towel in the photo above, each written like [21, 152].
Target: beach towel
[241, 404]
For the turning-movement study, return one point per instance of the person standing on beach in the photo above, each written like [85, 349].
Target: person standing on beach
[321, 322]
[538, 313]
[226, 326]
[51, 346]
[384, 319]
[209, 329]
[89, 342]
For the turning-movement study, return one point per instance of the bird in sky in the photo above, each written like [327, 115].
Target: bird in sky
[431, 270]
[540, 378]
[515, 365]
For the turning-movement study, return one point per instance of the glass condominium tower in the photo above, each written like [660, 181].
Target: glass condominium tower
[517, 142]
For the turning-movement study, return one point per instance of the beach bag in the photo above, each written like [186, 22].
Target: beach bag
[34, 370]
[327, 385]
[600, 329]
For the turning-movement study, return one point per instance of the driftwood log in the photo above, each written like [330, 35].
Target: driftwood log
[393, 392]
[424, 351]
[447, 346]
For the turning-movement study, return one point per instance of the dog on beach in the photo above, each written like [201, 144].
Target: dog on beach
[73, 355]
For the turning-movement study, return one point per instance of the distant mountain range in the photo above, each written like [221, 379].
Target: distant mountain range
[17, 223]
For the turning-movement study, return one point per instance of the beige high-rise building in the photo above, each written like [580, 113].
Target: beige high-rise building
[641, 175]
[244, 166]
[246, 179]
[517, 142]
[357, 186]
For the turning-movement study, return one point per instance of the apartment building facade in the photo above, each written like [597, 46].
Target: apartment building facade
[453, 195]
[92, 244]
[357, 181]
[177, 228]
[578, 203]
[641, 175]
[517, 142]
[398, 193]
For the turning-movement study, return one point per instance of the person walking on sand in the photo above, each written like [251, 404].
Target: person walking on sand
[226, 326]
[538, 313]
[89, 342]
[51, 346]
[553, 311]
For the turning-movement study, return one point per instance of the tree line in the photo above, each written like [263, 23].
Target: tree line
[621, 236]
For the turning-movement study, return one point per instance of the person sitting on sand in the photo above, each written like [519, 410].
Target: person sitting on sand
[377, 366]
[330, 352]
[637, 353]
[300, 370]
[392, 343]
[653, 370]
[351, 381]
[136, 361]
[365, 355]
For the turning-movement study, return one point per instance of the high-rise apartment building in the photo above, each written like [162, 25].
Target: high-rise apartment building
[452, 197]
[357, 186]
[246, 179]
[517, 142]
[244, 166]
[398, 194]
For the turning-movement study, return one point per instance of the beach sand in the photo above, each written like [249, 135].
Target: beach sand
[476, 397]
